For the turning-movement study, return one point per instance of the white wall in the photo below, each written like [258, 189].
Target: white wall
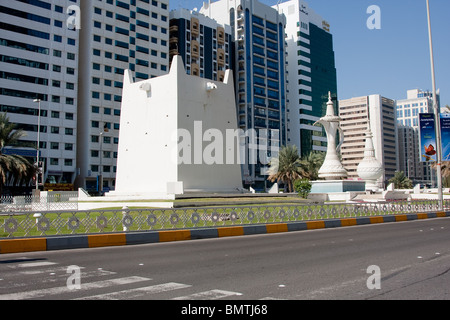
[147, 121]
[150, 120]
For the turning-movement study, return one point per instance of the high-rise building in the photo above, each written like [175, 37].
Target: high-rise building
[260, 72]
[114, 36]
[312, 74]
[39, 60]
[372, 112]
[205, 46]
[408, 110]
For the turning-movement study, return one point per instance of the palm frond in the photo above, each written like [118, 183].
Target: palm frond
[14, 169]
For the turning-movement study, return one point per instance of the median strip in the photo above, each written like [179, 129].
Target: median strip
[146, 237]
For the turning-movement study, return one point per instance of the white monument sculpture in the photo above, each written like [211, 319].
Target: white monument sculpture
[332, 168]
[171, 131]
[370, 169]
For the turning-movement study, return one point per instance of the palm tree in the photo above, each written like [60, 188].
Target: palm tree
[14, 169]
[310, 165]
[401, 181]
[286, 167]
[445, 172]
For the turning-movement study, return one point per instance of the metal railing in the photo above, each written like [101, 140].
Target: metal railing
[71, 222]
[50, 201]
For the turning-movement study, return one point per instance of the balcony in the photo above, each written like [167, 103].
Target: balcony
[195, 49]
[220, 75]
[195, 27]
[195, 69]
[220, 57]
[220, 35]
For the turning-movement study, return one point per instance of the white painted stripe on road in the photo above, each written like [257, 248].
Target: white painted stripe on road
[36, 264]
[209, 295]
[44, 271]
[62, 273]
[137, 292]
[59, 290]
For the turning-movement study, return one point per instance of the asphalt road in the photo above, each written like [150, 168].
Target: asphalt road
[413, 260]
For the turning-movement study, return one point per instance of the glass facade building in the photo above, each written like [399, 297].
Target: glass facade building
[260, 72]
[409, 155]
[205, 46]
[311, 59]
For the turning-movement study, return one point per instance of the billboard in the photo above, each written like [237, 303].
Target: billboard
[445, 136]
[427, 137]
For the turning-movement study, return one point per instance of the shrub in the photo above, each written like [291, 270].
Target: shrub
[303, 187]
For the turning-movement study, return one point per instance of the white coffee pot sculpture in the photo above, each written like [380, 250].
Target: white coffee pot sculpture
[332, 168]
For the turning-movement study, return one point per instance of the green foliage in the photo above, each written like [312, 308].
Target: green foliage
[285, 168]
[445, 172]
[14, 169]
[289, 167]
[401, 181]
[303, 187]
[311, 164]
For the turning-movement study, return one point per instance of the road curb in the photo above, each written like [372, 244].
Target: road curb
[52, 243]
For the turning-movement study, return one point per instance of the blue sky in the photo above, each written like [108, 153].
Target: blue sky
[388, 61]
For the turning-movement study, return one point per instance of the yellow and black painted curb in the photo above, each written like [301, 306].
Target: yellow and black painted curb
[133, 238]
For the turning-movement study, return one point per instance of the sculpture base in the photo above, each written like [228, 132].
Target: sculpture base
[337, 186]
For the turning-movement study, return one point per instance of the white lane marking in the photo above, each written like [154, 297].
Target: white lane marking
[137, 292]
[209, 295]
[43, 271]
[62, 272]
[36, 264]
[59, 290]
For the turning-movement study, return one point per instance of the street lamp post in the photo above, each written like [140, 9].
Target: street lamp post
[38, 101]
[100, 177]
[436, 112]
